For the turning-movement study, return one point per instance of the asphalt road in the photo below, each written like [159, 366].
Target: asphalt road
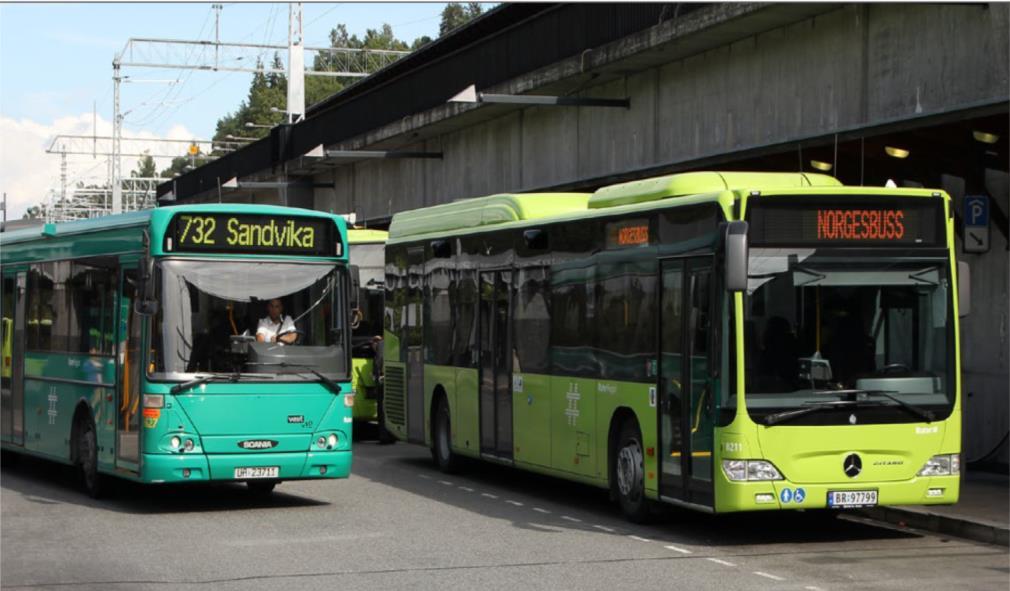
[398, 523]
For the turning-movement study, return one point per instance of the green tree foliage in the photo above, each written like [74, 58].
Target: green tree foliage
[457, 14]
[145, 168]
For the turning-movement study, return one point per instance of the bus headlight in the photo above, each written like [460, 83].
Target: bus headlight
[321, 442]
[175, 442]
[189, 445]
[740, 470]
[331, 441]
[942, 465]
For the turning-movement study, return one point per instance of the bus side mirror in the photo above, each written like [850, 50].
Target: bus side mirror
[146, 304]
[355, 286]
[736, 256]
[963, 289]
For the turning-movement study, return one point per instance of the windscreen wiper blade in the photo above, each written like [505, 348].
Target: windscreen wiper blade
[788, 415]
[922, 413]
[203, 380]
[325, 380]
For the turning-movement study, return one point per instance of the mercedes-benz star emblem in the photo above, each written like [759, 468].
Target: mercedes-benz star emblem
[852, 465]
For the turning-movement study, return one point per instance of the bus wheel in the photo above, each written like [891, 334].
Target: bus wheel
[261, 487]
[87, 458]
[628, 481]
[441, 451]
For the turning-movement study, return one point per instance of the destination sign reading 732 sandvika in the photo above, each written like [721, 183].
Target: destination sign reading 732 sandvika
[261, 234]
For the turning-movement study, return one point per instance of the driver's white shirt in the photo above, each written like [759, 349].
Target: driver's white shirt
[269, 329]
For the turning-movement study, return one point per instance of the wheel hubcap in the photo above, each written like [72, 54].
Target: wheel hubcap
[629, 469]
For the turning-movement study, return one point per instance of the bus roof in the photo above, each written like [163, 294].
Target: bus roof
[366, 235]
[484, 211]
[696, 183]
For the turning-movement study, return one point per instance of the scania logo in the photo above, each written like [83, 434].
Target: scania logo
[852, 465]
[257, 444]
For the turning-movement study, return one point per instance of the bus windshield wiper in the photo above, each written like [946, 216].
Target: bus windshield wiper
[788, 415]
[322, 378]
[922, 413]
[210, 377]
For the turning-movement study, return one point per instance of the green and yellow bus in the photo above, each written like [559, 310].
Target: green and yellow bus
[367, 263]
[720, 341]
[137, 351]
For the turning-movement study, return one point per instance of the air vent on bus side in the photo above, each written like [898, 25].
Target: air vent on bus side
[394, 399]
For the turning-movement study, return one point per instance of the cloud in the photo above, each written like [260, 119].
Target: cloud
[28, 175]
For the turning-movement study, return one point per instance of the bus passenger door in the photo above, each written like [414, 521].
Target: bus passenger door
[12, 392]
[413, 344]
[130, 361]
[686, 384]
[495, 363]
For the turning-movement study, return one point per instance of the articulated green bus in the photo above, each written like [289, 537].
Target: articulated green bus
[180, 344]
[720, 341]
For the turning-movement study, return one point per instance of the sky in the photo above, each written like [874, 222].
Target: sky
[56, 68]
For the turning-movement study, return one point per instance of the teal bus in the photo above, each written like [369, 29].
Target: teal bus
[719, 341]
[140, 345]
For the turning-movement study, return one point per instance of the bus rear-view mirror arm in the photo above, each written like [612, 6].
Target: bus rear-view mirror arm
[963, 289]
[736, 256]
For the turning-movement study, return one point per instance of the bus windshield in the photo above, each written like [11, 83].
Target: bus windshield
[212, 311]
[821, 328]
[369, 258]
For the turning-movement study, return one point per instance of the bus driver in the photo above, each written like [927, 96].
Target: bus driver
[276, 323]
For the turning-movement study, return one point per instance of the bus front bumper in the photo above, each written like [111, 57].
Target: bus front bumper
[224, 467]
[782, 494]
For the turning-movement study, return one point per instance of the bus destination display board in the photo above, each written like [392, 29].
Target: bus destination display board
[260, 234]
[849, 222]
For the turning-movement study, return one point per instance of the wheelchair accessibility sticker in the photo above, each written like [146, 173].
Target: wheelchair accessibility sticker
[789, 495]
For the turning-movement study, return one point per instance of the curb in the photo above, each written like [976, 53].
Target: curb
[963, 528]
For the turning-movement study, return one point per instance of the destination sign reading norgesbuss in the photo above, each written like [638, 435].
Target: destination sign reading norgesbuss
[849, 222]
[262, 234]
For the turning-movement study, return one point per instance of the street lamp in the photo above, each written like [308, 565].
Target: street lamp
[251, 125]
[240, 139]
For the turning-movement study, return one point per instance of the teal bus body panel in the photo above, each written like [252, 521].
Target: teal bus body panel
[160, 468]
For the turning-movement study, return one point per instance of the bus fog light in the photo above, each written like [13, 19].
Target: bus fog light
[934, 492]
[942, 465]
[762, 470]
[321, 442]
[189, 445]
[349, 400]
[175, 442]
[186, 472]
[322, 470]
[331, 441]
[763, 498]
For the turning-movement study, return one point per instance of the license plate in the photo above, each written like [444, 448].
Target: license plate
[258, 472]
[852, 498]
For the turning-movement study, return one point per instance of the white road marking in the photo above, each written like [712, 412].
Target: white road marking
[488, 495]
[571, 519]
[425, 476]
[445, 482]
[466, 488]
[812, 588]
[539, 510]
[768, 576]
[640, 538]
[604, 528]
[676, 549]
[511, 502]
[722, 562]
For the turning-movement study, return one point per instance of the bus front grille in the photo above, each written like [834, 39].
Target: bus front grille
[393, 397]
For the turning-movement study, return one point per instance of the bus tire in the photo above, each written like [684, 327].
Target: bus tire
[87, 457]
[441, 448]
[628, 479]
[261, 487]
